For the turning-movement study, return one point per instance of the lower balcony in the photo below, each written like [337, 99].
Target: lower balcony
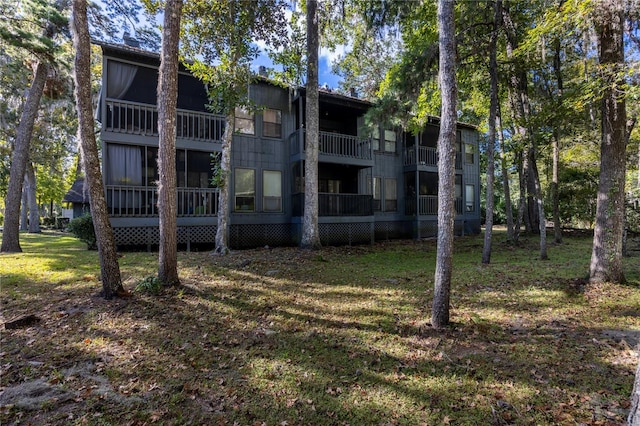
[142, 201]
[330, 204]
[428, 205]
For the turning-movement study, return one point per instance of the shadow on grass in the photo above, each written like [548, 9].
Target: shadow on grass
[336, 342]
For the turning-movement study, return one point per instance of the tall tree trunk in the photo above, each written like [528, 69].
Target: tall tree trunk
[555, 196]
[34, 211]
[11, 231]
[167, 104]
[532, 202]
[606, 255]
[555, 190]
[446, 164]
[523, 168]
[634, 411]
[505, 180]
[109, 268]
[491, 139]
[310, 229]
[542, 222]
[24, 211]
[222, 232]
[522, 112]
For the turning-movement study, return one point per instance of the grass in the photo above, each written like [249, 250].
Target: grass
[341, 336]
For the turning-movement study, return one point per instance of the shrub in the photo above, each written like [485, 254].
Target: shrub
[149, 285]
[82, 228]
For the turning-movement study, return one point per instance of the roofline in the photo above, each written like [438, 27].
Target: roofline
[123, 48]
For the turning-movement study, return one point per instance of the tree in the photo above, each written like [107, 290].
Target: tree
[167, 101]
[491, 137]
[109, 267]
[39, 43]
[521, 112]
[219, 42]
[30, 189]
[446, 163]
[606, 255]
[310, 230]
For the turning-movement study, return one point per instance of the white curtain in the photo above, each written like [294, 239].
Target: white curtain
[124, 165]
[119, 78]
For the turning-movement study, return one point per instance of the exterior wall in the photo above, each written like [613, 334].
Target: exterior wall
[260, 153]
[471, 176]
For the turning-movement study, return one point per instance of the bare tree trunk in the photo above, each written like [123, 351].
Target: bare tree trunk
[34, 211]
[310, 229]
[109, 268]
[505, 181]
[522, 200]
[606, 255]
[555, 197]
[167, 104]
[491, 139]
[634, 411]
[224, 205]
[446, 164]
[542, 222]
[24, 211]
[11, 231]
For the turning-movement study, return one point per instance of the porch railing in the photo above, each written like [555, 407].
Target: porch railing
[425, 156]
[142, 119]
[337, 204]
[141, 201]
[334, 144]
[428, 205]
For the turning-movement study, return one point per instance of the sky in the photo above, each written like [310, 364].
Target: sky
[325, 60]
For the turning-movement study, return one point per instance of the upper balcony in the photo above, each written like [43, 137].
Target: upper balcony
[418, 155]
[133, 118]
[334, 148]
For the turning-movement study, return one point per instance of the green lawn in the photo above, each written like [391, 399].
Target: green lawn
[334, 337]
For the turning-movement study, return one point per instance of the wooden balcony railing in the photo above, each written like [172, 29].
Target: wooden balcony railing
[142, 119]
[428, 205]
[337, 204]
[141, 201]
[425, 156]
[334, 144]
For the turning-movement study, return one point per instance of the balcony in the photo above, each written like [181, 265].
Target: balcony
[142, 119]
[337, 205]
[335, 147]
[426, 156]
[428, 205]
[141, 201]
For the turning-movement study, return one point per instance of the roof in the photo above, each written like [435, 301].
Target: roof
[79, 192]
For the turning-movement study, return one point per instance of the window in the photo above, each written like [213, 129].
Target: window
[272, 123]
[245, 190]
[469, 151]
[390, 141]
[244, 122]
[390, 195]
[375, 139]
[470, 195]
[199, 170]
[272, 191]
[125, 165]
[374, 185]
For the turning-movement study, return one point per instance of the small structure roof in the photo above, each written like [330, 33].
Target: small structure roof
[79, 192]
